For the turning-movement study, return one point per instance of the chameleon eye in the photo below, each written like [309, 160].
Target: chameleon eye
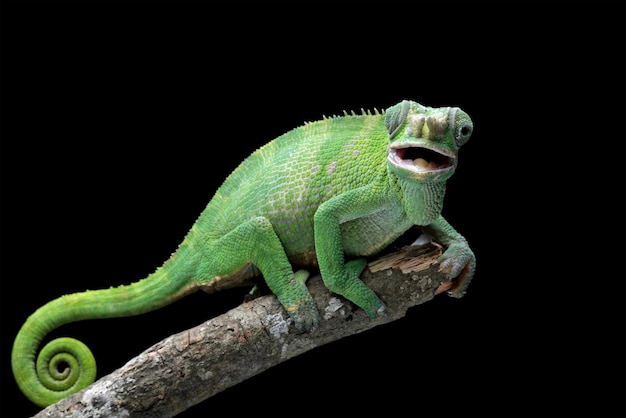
[463, 132]
[462, 124]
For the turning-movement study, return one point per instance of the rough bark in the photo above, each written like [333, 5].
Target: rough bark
[191, 366]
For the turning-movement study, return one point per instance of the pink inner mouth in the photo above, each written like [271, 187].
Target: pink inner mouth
[419, 159]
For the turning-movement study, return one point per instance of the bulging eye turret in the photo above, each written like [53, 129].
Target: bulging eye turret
[462, 126]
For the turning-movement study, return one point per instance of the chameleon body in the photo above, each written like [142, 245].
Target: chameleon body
[326, 194]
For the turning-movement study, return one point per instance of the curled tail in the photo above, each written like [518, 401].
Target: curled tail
[65, 365]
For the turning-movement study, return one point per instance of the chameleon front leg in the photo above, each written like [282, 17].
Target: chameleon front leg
[458, 260]
[256, 241]
[338, 276]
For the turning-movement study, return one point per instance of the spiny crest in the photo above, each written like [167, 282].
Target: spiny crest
[368, 112]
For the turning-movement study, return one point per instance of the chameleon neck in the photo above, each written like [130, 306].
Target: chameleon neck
[422, 201]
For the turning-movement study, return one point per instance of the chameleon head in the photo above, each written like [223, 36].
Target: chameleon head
[424, 141]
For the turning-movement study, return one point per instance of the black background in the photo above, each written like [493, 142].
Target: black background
[119, 121]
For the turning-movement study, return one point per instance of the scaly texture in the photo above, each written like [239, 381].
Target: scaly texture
[326, 194]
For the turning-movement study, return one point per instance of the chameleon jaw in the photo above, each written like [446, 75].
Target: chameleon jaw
[420, 159]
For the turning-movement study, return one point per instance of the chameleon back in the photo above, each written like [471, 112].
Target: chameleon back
[288, 178]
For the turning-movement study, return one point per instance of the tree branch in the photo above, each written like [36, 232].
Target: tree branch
[191, 366]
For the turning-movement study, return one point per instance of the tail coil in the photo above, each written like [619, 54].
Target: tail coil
[64, 366]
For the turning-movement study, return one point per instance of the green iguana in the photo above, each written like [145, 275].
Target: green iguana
[328, 194]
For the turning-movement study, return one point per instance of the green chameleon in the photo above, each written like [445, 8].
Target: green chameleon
[328, 194]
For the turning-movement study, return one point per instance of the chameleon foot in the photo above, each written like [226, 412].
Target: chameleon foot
[304, 314]
[352, 288]
[459, 263]
[298, 302]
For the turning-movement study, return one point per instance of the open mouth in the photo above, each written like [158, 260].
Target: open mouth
[419, 159]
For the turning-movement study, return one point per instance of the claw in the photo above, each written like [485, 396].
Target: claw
[458, 263]
[461, 282]
[305, 315]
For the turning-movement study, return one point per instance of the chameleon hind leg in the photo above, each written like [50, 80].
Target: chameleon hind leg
[256, 241]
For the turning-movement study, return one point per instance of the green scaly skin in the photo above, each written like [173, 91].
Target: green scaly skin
[327, 194]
